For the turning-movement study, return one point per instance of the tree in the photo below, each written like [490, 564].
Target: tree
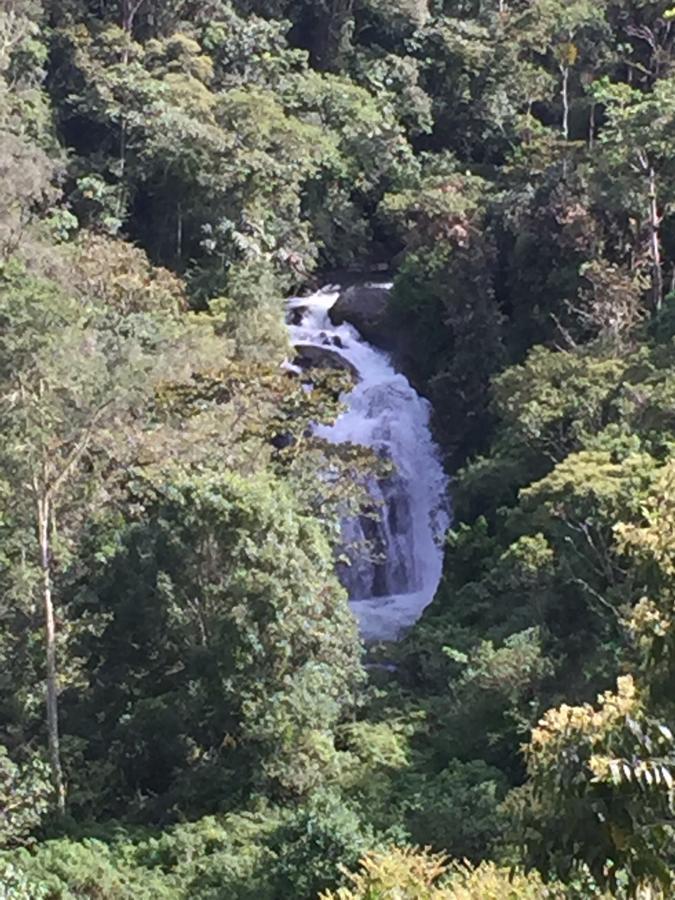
[554, 399]
[17, 24]
[444, 298]
[242, 654]
[68, 377]
[635, 144]
[568, 29]
[609, 305]
[601, 792]
[25, 793]
[412, 874]
[400, 872]
[649, 542]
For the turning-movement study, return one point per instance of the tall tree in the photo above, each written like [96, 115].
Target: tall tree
[569, 31]
[69, 374]
[637, 166]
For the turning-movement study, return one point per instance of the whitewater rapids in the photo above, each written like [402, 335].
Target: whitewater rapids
[384, 412]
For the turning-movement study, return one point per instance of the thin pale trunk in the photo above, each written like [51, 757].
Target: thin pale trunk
[564, 92]
[655, 242]
[591, 127]
[121, 194]
[128, 13]
[127, 27]
[43, 510]
[129, 10]
[123, 145]
[179, 231]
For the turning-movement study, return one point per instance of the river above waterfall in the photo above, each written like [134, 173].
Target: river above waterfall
[389, 588]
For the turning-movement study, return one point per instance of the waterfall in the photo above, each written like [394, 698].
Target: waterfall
[387, 591]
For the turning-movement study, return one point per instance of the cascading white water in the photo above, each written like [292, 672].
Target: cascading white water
[384, 412]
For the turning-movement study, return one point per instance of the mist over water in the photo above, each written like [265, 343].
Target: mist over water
[389, 588]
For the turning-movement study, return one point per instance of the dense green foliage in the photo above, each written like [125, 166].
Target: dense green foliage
[169, 171]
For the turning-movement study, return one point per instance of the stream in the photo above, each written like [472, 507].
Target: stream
[388, 590]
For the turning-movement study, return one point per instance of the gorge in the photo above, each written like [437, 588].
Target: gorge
[370, 592]
[395, 556]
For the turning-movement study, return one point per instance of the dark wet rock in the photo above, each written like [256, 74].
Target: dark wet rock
[366, 307]
[309, 356]
[294, 315]
[331, 340]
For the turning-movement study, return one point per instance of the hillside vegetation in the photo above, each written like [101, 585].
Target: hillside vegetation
[185, 711]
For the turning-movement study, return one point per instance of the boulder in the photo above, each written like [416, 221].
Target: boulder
[328, 339]
[295, 315]
[309, 356]
[366, 307]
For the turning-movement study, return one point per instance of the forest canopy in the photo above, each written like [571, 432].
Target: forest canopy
[186, 706]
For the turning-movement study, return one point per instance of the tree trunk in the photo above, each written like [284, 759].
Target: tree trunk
[121, 194]
[123, 145]
[129, 10]
[43, 510]
[564, 92]
[591, 127]
[655, 242]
